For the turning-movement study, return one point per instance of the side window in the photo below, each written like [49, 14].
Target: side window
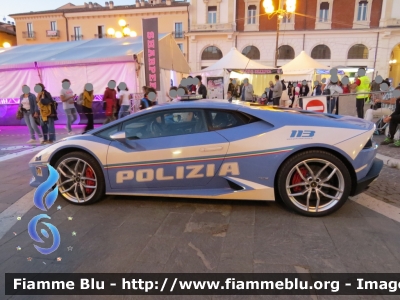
[178, 122]
[142, 127]
[105, 134]
[223, 119]
[166, 123]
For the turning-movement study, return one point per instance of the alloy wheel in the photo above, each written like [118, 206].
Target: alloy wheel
[78, 181]
[315, 185]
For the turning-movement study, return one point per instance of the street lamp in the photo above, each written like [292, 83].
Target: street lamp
[6, 45]
[280, 13]
[124, 32]
[111, 31]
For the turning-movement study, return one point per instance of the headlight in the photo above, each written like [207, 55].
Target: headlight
[39, 171]
[369, 144]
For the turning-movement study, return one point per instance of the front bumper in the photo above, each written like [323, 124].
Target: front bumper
[373, 173]
[39, 176]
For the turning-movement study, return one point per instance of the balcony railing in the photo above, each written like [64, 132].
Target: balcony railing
[52, 33]
[179, 34]
[213, 27]
[28, 34]
[76, 37]
[101, 36]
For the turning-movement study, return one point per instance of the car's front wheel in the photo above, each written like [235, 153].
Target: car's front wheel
[81, 178]
[314, 183]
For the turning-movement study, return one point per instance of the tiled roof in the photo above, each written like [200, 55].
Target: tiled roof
[87, 9]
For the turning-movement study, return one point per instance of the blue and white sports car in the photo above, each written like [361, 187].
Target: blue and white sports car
[214, 150]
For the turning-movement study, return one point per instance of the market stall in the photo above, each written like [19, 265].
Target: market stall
[235, 65]
[303, 67]
[95, 61]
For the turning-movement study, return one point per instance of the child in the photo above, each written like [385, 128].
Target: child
[110, 102]
[109, 110]
[145, 102]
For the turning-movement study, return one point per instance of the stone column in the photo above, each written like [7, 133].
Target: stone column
[218, 11]
[206, 14]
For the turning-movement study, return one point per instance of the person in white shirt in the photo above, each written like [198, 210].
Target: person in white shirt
[325, 84]
[334, 96]
[285, 101]
[30, 111]
[124, 102]
[117, 104]
[67, 97]
[377, 110]
[172, 95]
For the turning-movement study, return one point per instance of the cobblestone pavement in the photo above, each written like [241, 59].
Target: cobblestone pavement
[13, 138]
[150, 235]
[386, 150]
[387, 186]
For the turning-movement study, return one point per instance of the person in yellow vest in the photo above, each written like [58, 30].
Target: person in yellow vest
[361, 84]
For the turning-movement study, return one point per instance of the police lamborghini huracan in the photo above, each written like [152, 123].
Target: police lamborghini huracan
[215, 150]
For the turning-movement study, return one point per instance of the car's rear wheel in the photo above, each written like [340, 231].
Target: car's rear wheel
[81, 178]
[314, 183]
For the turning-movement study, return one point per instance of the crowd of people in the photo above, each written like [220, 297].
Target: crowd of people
[279, 93]
[40, 111]
[192, 89]
[383, 104]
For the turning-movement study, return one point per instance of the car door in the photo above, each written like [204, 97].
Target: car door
[164, 149]
[248, 145]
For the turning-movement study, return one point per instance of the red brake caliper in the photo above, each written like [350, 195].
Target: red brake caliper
[297, 179]
[89, 174]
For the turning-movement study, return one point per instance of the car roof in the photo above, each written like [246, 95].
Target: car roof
[270, 114]
[203, 103]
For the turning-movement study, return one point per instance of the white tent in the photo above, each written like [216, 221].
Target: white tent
[93, 61]
[235, 65]
[234, 60]
[301, 67]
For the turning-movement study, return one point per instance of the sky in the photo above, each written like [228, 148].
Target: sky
[8, 7]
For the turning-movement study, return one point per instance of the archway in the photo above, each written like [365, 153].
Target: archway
[394, 66]
[285, 52]
[321, 52]
[251, 52]
[358, 51]
[211, 53]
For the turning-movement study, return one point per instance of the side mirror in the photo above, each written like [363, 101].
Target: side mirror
[119, 136]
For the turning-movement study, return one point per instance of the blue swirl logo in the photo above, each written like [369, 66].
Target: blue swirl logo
[44, 198]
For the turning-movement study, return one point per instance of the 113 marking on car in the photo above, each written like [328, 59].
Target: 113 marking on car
[302, 133]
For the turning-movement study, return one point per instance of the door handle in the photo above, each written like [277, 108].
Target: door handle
[211, 149]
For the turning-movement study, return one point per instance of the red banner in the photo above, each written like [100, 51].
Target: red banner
[150, 54]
